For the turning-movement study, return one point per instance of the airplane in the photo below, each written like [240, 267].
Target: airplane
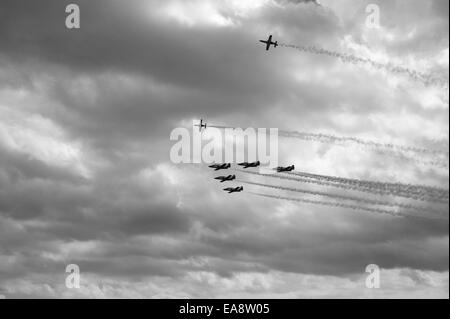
[201, 125]
[225, 178]
[285, 169]
[220, 166]
[269, 42]
[234, 189]
[247, 165]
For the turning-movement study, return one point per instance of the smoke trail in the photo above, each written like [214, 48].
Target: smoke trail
[311, 181]
[424, 78]
[333, 204]
[221, 126]
[342, 197]
[328, 138]
[429, 192]
[373, 191]
[438, 157]
[348, 198]
[341, 205]
[333, 139]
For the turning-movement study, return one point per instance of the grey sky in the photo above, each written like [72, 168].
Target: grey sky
[85, 174]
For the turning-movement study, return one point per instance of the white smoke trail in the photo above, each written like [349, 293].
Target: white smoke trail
[349, 198]
[436, 158]
[221, 126]
[424, 78]
[333, 139]
[427, 192]
[341, 205]
[373, 191]
[311, 181]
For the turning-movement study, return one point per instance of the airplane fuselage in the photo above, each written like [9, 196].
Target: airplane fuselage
[234, 190]
[285, 169]
[269, 42]
[220, 166]
[225, 178]
[247, 165]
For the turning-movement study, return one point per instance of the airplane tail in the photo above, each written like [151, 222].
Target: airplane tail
[276, 44]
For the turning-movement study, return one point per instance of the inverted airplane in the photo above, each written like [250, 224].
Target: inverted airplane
[201, 125]
[234, 189]
[220, 166]
[285, 169]
[269, 42]
[225, 178]
[247, 165]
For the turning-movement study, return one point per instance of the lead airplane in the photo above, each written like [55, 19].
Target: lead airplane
[247, 164]
[269, 42]
[234, 189]
[285, 169]
[220, 166]
[225, 178]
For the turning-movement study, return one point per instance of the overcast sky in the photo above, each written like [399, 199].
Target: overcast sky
[85, 173]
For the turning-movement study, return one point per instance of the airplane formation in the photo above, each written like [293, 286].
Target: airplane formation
[338, 182]
[245, 165]
[216, 167]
